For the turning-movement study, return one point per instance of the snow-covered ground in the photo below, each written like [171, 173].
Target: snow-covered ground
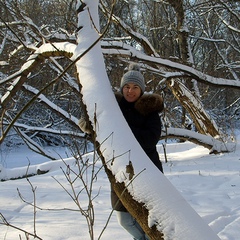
[210, 183]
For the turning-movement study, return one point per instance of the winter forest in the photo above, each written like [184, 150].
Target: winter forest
[61, 60]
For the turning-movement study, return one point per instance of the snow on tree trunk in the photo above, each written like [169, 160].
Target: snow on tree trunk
[202, 120]
[149, 196]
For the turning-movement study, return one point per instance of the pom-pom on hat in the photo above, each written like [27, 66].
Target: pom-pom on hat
[133, 75]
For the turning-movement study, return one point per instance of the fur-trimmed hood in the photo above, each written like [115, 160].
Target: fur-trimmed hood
[147, 103]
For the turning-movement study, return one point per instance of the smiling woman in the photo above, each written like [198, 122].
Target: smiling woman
[141, 111]
[131, 92]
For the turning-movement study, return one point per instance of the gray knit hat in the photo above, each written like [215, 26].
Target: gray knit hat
[133, 75]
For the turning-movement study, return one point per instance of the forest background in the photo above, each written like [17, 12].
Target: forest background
[188, 52]
[195, 35]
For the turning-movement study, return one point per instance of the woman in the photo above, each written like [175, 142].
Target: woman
[141, 112]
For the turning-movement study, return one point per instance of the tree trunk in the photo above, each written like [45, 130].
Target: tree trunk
[193, 105]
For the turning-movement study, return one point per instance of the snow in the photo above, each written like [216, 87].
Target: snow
[209, 183]
[57, 215]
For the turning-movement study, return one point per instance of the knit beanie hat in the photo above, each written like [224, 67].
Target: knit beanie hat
[133, 75]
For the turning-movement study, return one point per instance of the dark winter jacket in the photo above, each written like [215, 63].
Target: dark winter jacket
[143, 118]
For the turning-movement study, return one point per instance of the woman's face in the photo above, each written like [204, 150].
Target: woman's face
[131, 92]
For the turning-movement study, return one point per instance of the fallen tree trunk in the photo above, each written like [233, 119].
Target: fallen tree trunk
[214, 145]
